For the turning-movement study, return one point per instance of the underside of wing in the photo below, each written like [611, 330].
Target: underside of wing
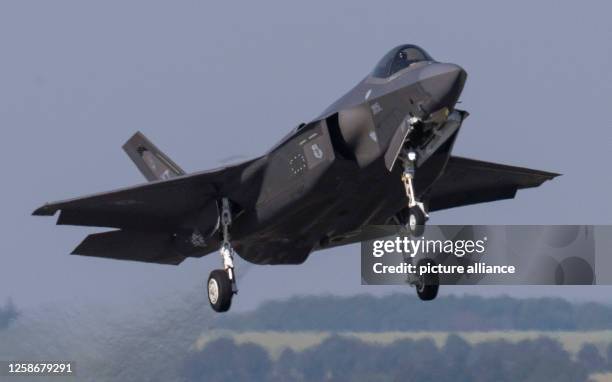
[468, 181]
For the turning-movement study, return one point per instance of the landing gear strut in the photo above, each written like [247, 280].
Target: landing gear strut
[415, 216]
[222, 282]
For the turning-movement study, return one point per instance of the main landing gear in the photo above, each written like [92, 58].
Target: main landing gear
[221, 284]
[427, 284]
[414, 216]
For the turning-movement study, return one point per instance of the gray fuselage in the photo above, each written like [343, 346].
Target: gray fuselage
[332, 176]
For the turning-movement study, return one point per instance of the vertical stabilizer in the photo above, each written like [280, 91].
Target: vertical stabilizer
[151, 162]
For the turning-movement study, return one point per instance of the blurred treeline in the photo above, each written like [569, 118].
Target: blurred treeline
[348, 359]
[399, 312]
[159, 340]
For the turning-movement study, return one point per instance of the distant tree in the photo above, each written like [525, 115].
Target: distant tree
[542, 359]
[590, 358]
[8, 314]
[544, 314]
[224, 360]
[609, 357]
[593, 316]
[418, 361]
[339, 358]
[456, 352]
[285, 368]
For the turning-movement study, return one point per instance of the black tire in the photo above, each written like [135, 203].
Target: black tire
[416, 221]
[219, 281]
[427, 290]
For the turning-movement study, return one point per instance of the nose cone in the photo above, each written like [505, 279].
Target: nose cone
[443, 84]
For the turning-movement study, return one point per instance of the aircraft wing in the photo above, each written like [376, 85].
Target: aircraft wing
[157, 205]
[147, 214]
[468, 181]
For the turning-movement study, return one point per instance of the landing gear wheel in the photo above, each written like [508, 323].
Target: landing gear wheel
[429, 283]
[219, 289]
[416, 221]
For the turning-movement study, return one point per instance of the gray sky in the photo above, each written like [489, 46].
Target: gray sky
[210, 80]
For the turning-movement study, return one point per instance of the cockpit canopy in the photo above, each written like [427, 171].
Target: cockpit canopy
[399, 58]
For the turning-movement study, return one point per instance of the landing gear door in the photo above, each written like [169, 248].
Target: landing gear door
[439, 136]
[395, 146]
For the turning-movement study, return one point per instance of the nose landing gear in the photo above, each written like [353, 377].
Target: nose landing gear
[415, 216]
[221, 284]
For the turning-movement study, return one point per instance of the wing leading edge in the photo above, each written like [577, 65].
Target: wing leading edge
[146, 206]
[469, 181]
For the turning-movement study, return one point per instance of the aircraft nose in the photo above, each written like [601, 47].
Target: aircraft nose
[443, 83]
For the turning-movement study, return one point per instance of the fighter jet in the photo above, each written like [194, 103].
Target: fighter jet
[381, 154]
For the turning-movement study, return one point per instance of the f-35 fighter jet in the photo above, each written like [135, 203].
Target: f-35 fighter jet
[381, 154]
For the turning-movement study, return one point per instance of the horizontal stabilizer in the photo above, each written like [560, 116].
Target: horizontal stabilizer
[151, 162]
[149, 247]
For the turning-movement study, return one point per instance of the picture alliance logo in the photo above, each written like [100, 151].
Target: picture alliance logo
[412, 247]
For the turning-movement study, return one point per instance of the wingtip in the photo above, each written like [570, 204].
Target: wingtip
[546, 176]
[46, 210]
